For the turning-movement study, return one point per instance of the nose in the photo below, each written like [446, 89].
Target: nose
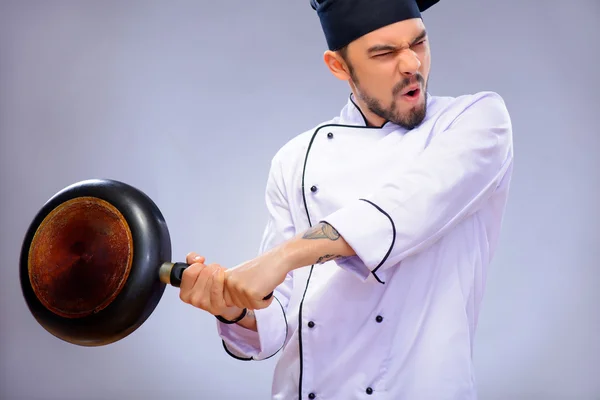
[409, 63]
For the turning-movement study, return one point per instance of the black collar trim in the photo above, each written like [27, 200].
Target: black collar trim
[365, 118]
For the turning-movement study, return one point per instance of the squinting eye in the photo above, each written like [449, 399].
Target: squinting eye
[382, 55]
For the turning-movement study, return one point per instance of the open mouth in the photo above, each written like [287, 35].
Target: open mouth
[413, 94]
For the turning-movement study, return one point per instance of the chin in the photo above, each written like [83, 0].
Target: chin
[417, 108]
[412, 116]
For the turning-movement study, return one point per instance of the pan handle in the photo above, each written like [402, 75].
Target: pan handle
[172, 273]
[176, 273]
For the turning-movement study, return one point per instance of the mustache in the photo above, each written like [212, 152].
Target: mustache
[400, 86]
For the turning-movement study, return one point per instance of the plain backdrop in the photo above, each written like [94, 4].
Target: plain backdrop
[188, 100]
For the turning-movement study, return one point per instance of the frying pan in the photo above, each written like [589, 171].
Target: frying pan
[95, 262]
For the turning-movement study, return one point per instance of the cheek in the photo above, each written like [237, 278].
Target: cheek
[383, 87]
[425, 64]
[375, 82]
[384, 77]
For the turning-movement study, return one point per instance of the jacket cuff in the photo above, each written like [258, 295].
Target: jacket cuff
[355, 266]
[370, 231]
[245, 344]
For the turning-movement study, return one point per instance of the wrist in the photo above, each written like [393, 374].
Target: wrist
[293, 255]
[231, 313]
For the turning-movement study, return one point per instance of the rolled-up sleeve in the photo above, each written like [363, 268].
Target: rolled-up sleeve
[269, 338]
[449, 181]
[272, 327]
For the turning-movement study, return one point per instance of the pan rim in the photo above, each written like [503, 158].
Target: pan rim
[143, 289]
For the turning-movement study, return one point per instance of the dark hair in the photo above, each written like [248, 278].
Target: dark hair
[343, 52]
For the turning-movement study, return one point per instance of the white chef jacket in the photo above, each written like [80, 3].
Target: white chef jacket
[423, 210]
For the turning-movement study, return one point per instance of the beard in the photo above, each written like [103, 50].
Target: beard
[408, 119]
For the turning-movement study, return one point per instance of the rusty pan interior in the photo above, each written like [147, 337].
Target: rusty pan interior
[90, 259]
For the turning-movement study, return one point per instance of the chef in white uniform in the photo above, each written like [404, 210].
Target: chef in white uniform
[382, 224]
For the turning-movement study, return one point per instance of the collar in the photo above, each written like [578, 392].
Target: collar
[351, 114]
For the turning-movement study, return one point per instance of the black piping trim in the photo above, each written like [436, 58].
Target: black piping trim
[393, 239]
[286, 330]
[266, 358]
[312, 139]
[300, 331]
[233, 355]
[365, 118]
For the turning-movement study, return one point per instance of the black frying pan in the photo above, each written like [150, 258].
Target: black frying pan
[95, 262]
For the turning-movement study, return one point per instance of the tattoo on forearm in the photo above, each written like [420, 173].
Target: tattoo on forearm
[327, 257]
[322, 231]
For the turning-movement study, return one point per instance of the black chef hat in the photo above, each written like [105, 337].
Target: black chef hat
[344, 21]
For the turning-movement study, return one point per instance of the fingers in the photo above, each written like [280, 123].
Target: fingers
[258, 303]
[216, 289]
[241, 295]
[203, 288]
[227, 296]
[201, 297]
[192, 258]
[188, 281]
[235, 298]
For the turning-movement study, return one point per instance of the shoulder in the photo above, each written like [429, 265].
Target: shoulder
[477, 121]
[287, 164]
[484, 106]
[291, 154]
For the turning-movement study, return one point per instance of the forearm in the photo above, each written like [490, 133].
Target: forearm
[317, 245]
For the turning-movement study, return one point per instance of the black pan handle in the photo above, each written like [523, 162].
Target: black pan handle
[177, 273]
[172, 273]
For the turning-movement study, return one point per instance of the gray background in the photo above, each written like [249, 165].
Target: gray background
[189, 100]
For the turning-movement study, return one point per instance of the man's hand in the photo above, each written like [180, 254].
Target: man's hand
[227, 292]
[247, 284]
[203, 286]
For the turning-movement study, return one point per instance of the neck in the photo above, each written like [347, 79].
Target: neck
[371, 119]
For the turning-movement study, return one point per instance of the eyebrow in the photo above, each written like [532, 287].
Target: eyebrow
[389, 47]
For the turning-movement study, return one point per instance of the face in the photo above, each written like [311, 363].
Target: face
[388, 71]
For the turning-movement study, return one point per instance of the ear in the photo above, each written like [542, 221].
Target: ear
[336, 65]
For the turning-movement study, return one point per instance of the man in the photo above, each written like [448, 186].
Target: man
[382, 225]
